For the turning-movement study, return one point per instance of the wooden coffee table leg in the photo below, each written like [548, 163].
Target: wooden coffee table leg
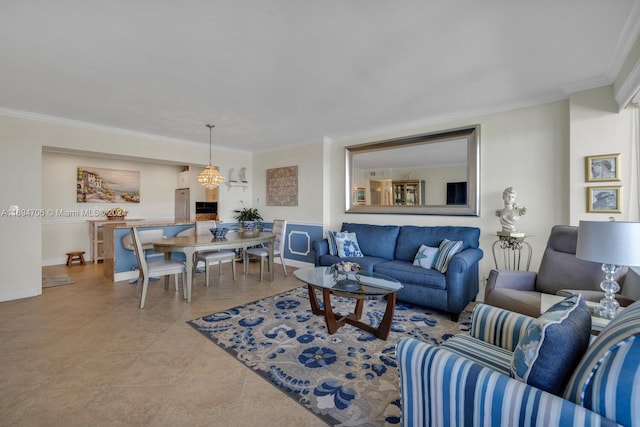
[313, 301]
[329, 315]
[357, 313]
[385, 324]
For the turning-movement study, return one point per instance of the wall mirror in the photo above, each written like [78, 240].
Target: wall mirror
[429, 174]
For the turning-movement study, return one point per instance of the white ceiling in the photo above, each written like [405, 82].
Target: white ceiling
[275, 73]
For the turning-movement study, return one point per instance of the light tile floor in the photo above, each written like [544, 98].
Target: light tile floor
[85, 355]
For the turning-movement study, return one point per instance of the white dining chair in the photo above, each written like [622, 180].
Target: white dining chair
[279, 228]
[147, 237]
[215, 256]
[157, 268]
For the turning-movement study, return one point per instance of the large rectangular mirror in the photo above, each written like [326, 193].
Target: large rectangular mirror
[428, 174]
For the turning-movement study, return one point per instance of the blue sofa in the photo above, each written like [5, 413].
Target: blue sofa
[391, 249]
[468, 381]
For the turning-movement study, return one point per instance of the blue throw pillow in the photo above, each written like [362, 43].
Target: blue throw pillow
[333, 249]
[446, 251]
[426, 257]
[552, 346]
[347, 245]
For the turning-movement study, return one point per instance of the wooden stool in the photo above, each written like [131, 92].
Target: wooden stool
[75, 256]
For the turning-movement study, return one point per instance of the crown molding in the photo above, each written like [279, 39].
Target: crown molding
[43, 118]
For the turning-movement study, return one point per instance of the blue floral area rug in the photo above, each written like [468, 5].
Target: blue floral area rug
[348, 378]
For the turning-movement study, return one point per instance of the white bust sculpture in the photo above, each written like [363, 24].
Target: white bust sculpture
[510, 213]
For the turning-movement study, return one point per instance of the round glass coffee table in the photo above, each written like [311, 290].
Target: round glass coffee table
[357, 285]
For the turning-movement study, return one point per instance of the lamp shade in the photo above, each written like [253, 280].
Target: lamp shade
[609, 242]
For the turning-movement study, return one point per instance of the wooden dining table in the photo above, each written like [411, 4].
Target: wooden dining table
[190, 245]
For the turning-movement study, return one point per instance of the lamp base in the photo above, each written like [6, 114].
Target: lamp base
[609, 306]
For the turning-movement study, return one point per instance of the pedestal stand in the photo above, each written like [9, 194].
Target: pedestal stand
[511, 246]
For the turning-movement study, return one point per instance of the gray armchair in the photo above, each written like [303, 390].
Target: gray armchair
[560, 273]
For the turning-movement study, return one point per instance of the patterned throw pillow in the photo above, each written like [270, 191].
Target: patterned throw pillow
[446, 251]
[347, 245]
[333, 249]
[426, 257]
[552, 346]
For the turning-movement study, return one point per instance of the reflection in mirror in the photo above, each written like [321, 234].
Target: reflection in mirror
[429, 174]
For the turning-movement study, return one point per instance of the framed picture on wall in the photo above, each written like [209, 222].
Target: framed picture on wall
[361, 196]
[605, 167]
[604, 199]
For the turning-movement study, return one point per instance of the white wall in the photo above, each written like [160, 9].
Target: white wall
[597, 128]
[20, 170]
[310, 160]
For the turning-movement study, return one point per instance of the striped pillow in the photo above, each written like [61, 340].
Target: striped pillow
[446, 251]
[331, 238]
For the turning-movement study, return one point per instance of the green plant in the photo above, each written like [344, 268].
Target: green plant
[248, 214]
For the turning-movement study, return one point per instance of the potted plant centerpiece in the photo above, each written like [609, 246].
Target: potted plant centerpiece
[249, 219]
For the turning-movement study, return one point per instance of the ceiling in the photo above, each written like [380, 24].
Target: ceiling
[277, 73]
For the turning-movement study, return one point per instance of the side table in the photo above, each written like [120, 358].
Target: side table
[597, 323]
[509, 250]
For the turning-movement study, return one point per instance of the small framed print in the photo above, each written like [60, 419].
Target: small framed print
[361, 196]
[605, 167]
[604, 199]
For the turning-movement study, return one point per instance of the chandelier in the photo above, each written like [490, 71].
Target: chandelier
[210, 178]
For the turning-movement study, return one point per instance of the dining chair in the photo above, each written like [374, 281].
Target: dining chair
[147, 237]
[279, 228]
[157, 268]
[213, 256]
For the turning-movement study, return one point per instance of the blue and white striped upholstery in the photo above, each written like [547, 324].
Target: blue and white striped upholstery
[607, 380]
[486, 354]
[502, 328]
[441, 387]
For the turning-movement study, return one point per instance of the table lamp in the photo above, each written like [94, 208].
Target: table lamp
[614, 244]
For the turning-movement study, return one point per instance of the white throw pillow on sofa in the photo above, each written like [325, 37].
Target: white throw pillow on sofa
[347, 245]
[426, 257]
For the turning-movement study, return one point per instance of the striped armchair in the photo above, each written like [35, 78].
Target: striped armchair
[467, 381]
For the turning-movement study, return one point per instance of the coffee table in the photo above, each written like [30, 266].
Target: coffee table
[359, 286]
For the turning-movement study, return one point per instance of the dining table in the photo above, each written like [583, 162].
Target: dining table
[190, 245]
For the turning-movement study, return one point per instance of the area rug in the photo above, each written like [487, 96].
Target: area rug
[348, 378]
[55, 280]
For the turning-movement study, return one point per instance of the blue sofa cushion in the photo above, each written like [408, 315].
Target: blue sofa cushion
[347, 245]
[376, 240]
[552, 346]
[408, 273]
[411, 237]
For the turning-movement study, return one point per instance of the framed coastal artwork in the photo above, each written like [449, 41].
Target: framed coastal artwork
[604, 199]
[100, 185]
[361, 196]
[605, 167]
